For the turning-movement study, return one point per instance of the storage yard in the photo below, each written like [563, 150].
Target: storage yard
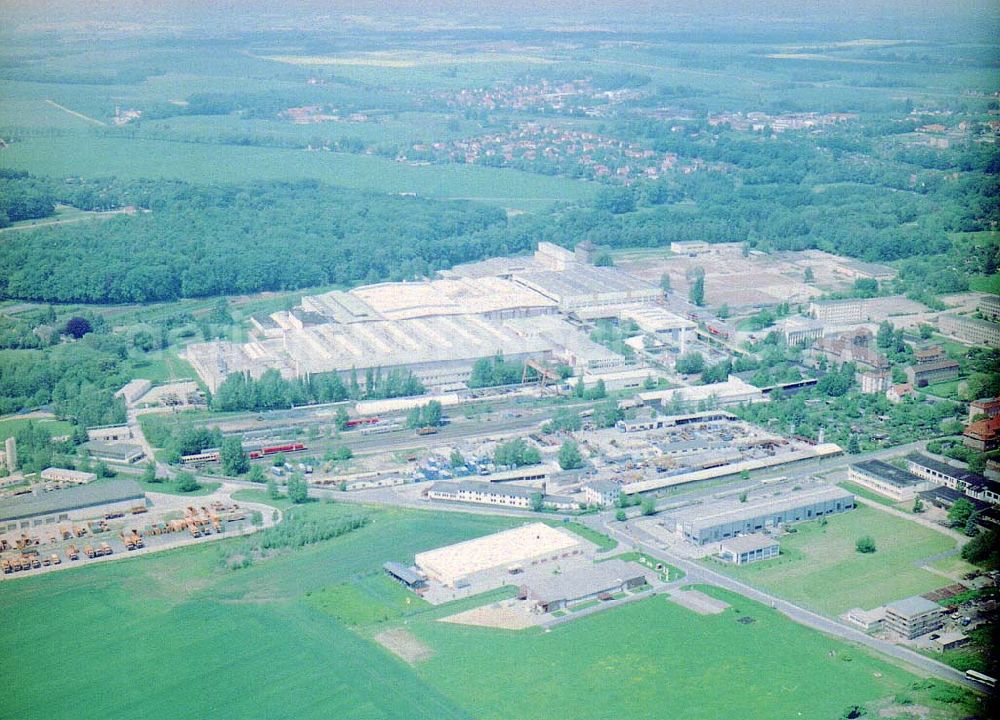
[67, 527]
[665, 451]
[757, 279]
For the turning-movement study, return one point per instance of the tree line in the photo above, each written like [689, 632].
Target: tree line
[241, 391]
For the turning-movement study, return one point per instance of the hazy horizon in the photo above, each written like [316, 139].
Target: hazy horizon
[976, 20]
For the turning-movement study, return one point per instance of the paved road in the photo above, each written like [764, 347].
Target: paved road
[695, 572]
[699, 573]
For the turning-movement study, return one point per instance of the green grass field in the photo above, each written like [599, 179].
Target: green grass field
[176, 635]
[986, 283]
[162, 366]
[820, 568]
[602, 541]
[947, 389]
[12, 425]
[655, 654]
[95, 155]
[867, 494]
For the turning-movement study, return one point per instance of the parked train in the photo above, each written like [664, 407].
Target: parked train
[213, 454]
[361, 422]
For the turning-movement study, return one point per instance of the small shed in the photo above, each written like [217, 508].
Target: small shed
[404, 575]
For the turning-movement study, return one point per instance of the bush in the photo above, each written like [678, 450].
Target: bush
[620, 515]
[983, 549]
[186, 482]
[865, 544]
[77, 327]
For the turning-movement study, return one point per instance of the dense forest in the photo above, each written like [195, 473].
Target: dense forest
[197, 241]
[77, 379]
[192, 241]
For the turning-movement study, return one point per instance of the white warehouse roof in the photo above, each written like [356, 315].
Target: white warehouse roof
[451, 563]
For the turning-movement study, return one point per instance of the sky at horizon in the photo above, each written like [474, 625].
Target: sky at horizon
[861, 18]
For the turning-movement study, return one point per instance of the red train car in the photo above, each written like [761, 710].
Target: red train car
[360, 422]
[275, 449]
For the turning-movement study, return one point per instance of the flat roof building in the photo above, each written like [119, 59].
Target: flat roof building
[579, 287]
[800, 330]
[942, 473]
[57, 474]
[502, 494]
[576, 585]
[660, 322]
[989, 307]
[604, 493]
[117, 453]
[888, 480]
[720, 521]
[913, 616]
[453, 564]
[970, 330]
[746, 549]
[658, 422]
[731, 392]
[840, 312]
[867, 620]
[951, 640]
[76, 502]
[109, 433]
[491, 297]
[690, 247]
[874, 381]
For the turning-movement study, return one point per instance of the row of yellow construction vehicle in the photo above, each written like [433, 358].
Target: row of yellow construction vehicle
[132, 541]
[28, 561]
[99, 551]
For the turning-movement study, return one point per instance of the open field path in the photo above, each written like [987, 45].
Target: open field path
[76, 114]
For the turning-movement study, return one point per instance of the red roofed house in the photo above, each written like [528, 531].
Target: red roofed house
[896, 393]
[983, 435]
[990, 407]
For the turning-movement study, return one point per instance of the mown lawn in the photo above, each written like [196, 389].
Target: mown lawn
[820, 568]
[652, 658]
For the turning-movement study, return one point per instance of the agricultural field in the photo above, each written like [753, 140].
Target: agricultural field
[293, 636]
[820, 568]
[212, 164]
[182, 613]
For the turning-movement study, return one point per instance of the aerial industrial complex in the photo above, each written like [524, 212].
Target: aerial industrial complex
[438, 328]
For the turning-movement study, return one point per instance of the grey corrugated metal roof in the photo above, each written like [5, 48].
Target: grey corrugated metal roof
[74, 498]
[404, 573]
[888, 473]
